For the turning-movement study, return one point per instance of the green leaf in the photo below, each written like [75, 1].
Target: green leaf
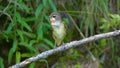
[66, 20]
[44, 46]
[6, 35]
[32, 65]
[28, 34]
[22, 22]
[20, 33]
[52, 5]
[18, 1]
[26, 55]
[1, 7]
[115, 16]
[12, 50]
[103, 43]
[10, 26]
[44, 60]
[38, 10]
[40, 34]
[29, 19]
[104, 20]
[49, 42]
[47, 18]
[40, 31]
[31, 48]
[26, 25]
[18, 55]
[18, 16]
[15, 42]
[31, 35]
[78, 65]
[32, 42]
[45, 2]
[25, 7]
[1, 63]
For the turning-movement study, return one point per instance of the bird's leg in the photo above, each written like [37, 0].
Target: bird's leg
[63, 43]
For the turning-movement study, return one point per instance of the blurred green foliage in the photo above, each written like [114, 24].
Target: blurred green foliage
[27, 28]
[111, 22]
[25, 31]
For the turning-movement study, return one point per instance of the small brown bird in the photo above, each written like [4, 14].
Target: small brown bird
[58, 26]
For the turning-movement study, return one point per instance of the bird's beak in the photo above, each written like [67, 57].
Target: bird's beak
[52, 20]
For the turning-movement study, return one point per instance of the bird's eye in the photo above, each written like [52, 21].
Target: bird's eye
[54, 16]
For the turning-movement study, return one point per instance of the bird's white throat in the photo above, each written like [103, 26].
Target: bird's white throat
[56, 24]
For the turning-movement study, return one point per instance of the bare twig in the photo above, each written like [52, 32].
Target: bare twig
[7, 15]
[4, 11]
[7, 6]
[74, 23]
[65, 47]
[17, 4]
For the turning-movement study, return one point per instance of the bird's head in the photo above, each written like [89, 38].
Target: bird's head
[55, 19]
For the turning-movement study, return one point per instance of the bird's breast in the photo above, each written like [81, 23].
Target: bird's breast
[60, 31]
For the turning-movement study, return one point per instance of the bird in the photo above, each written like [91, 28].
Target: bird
[58, 28]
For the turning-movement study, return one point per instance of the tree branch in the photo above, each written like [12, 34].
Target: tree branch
[65, 47]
